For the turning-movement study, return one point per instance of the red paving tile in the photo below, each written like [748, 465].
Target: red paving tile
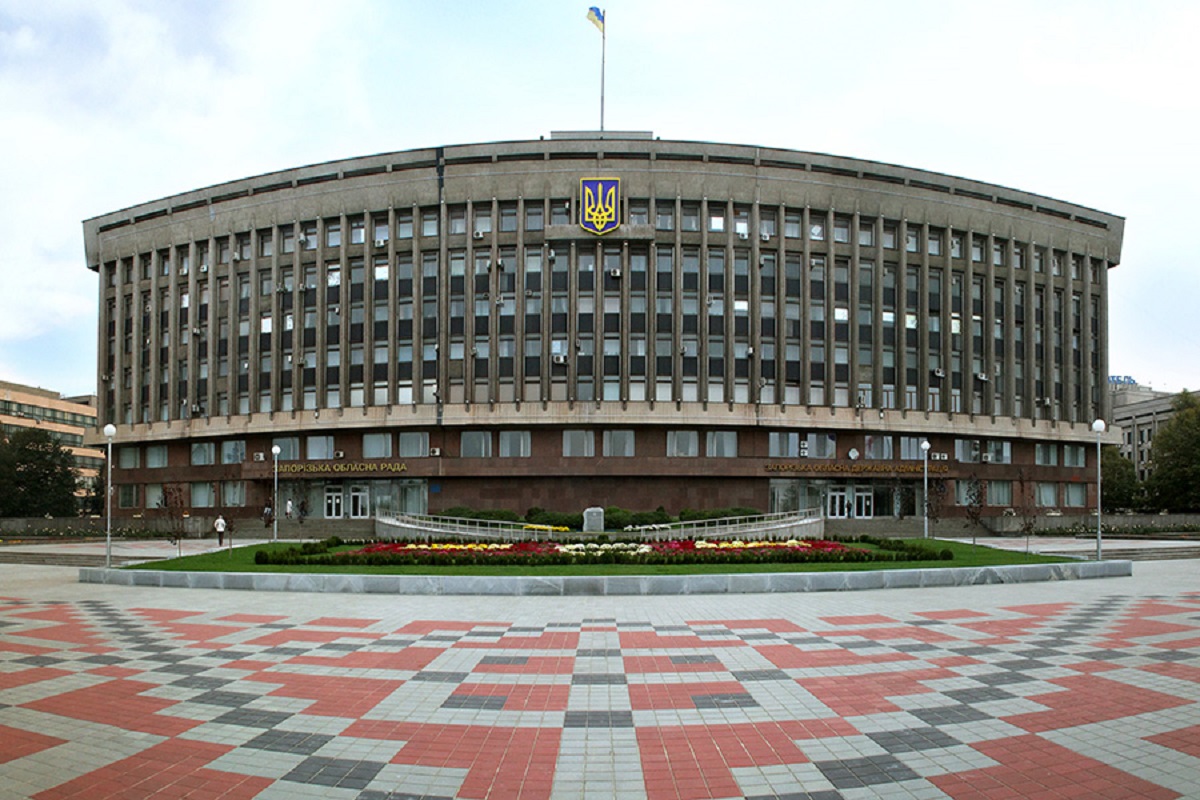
[693, 762]
[679, 695]
[1087, 699]
[1185, 740]
[335, 696]
[868, 693]
[175, 768]
[639, 665]
[520, 696]
[425, 626]
[1033, 767]
[546, 641]
[409, 659]
[891, 633]
[302, 635]
[786, 656]
[533, 665]
[500, 762]
[649, 640]
[24, 677]
[119, 703]
[17, 743]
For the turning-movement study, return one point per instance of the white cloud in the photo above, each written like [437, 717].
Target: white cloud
[109, 105]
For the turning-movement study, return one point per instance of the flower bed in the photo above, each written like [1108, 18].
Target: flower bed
[530, 553]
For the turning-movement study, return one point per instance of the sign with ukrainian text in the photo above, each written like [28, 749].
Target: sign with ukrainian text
[600, 205]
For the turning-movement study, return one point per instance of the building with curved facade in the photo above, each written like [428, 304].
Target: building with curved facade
[603, 319]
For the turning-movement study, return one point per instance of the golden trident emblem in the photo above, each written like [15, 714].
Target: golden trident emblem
[601, 200]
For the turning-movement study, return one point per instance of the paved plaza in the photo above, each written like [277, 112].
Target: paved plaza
[1087, 689]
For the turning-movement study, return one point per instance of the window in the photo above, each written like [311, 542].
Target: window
[202, 495]
[127, 496]
[154, 495]
[535, 217]
[429, 223]
[1047, 495]
[475, 444]
[783, 444]
[579, 444]
[233, 451]
[156, 456]
[318, 448]
[967, 451]
[414, 444]
[721, 444]
[866, 233]
[910, 448]
[822, 445]
[877, 447]
[618, 444]
[1075, 495]
[128, 458]
[515, 444]
[999, 493]
[377, 445]
[233, 494]
[841, 229]
[404, 225]
[1046, 455]
[683, 444]
[664, 215]
[1074, 455]
[716, 218]
[289, 447]
[333, 233]
[816, 229]
[203, 454]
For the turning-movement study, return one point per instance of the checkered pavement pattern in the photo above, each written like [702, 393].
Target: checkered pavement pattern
[1092, 699]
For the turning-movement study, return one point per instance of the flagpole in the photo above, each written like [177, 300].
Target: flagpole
[603, 55]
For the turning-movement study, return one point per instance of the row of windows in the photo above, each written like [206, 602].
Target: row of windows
[615, 443]
[13, 408]
[820, 227]
[232, 494]
[1046, 494]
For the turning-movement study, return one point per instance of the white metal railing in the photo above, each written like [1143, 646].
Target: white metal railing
[808, 523]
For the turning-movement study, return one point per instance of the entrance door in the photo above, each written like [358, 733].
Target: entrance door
[837, 504]
[360, 502]
[333, 502]
[864, 502]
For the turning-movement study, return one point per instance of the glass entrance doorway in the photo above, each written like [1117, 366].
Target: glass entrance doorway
[333, 502]
[837, 503]
[360, 502]
[864, 502]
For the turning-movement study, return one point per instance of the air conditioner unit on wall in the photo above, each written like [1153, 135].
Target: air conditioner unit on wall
[939, 373]
[339, 453]
[558, 359]
[982, 377]
[260, 456]
[434, 452]
[478, 235]
[380, 244]
[615, 272]
[986, 457]
[766, 237]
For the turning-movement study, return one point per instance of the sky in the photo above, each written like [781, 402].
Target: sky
[109, 104]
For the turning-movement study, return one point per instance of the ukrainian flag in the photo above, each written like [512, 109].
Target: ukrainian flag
[596, 17]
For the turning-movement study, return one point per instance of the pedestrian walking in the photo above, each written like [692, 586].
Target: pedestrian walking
[219, 527]
[287, 509]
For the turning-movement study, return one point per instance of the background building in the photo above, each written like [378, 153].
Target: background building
[66, 419]
[752, 327]
[1139, 411]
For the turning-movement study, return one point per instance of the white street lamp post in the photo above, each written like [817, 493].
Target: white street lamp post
[925, 496]
[110, 431]
[1098, 426]
[275, 496]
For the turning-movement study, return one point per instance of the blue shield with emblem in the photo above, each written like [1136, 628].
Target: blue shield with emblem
[599, 205]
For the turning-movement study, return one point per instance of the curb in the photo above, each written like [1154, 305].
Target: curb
[577, 585]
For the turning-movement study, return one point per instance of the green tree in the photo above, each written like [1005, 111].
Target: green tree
[1175, 483]
[37, 476]
[1120, 485]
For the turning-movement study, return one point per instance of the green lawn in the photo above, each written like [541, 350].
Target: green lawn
[241, 559]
